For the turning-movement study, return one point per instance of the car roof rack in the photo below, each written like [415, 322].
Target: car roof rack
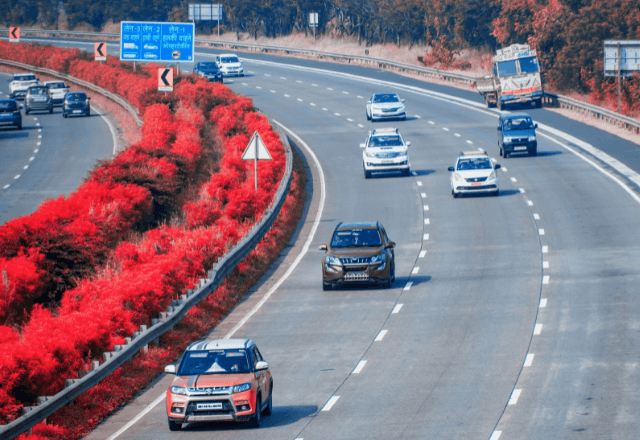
[385, 130]
[473, 153]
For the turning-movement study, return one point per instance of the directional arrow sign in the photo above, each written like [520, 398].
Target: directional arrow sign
[165, 80]
[255, 151]
[14, 34]
[100, 51]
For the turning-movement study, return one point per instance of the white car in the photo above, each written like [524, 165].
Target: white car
[229, 64]
[20, 83]
[57, 90]
[385, 106]
[474, 172]
[385, 150]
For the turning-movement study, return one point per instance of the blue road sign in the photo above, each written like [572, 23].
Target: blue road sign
[147, 41]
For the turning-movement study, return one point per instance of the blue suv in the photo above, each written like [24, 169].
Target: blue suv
[517, 134]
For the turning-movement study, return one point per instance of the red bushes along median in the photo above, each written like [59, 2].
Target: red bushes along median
[136, 234]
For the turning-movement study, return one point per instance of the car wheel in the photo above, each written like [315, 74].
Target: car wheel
[26, 111]
[367, 174]
[454, 194]
[499, 104]
[366, 113]
[500, 153]
[407, 172]
[257, 418]
[393, 270]
[538, 103]
[64, 115]
[534, 153]
[404, 118]
[174, 426]
[242, 74]
[19, 127]
[51, 111]
[326, 286]
[88, 112]
[505, 154]
[269, 409]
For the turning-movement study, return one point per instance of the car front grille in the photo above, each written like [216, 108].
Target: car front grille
[355, 260]
[389, 110]
[387, 155]
[476, 179]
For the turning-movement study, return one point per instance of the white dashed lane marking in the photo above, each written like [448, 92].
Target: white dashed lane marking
[426, 221]
[300, 100]
[329, 88]
[298, 81]
[545, 265]
[312, 104]
[38, 143]
[426, 207]
[282, 77]
[36, 150]
[423, 195]
[381, 335]
[456, 134]
[346, 93]
[26, 166]
[396, 309]
[360, 97]
[431, 122]
[408, 285]
[325, 109]
[541, 231]
[513, 179]
[18, 176]
[360, 125]
[469, 142]
[521, 190]
[415, 270]
[494, 436]
[6, 186]
[514, 396]
[538, 327]
[545, 249]
[272, 91]
[337, 114]
[286, 95]
[529, 202]
[359, 367]
[425, 237]
[528, 360]
[504, 169]
[314, 85]
[349, 119]
[245, 84]
[330, 403]
[543, 303]
[419, 183]
[422, 254]
[445, 128]
[31, 158]
[536, 216]
[545, 279]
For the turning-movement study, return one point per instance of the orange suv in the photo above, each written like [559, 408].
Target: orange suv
[358, 253]
[219, 380]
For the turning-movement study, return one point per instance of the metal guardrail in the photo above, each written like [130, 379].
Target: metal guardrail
[550, 98]
[139, 340]
[117, 98]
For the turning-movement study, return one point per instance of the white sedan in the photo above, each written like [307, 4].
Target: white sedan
[474, 173]
[385, 106]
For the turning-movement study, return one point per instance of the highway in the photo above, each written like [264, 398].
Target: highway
[513, 317]
[48, 157]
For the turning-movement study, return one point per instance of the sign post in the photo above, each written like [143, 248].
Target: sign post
[14, 34]
[149, 41]
[165, 80]
[313, 22]
[256, 150]
[205, 12]
[100, 51]
[621, 58]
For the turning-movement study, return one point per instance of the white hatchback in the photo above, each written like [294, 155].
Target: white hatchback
[385, 150]
[474, 172]
[229, 64]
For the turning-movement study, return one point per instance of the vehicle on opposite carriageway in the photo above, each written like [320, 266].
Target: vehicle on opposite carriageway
[474, 172]
[219, 380]
[385, 150]
[358, 253]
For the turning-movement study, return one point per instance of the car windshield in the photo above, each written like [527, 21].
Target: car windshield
[209, 66]
[517, 124]
[214, 362]
[475, 163]
[388, 97]
[229, 59]
[59, 85]
[507, 68]
[8, 105]
[76, 97]
[356, 238]
[24, 78]
[386, 141]
[529, 65]
[38, 91]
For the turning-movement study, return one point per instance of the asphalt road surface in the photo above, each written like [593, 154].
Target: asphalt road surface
[512, 317]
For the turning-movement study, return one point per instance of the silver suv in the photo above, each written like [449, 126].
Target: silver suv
[38, 98]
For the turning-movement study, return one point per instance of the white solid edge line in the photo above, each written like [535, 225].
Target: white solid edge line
[138, 417]
[305, 249]
[114, 136]
[330, 403]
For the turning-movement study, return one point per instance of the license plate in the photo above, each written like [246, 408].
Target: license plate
[40, 99]
[5, 114]
[523, 99]
[519, 148]
[387, 161]
[356, 276]
[208, 406]
[476, 184]
[77, 111]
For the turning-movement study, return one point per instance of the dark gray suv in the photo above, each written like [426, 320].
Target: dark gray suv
[517, 134]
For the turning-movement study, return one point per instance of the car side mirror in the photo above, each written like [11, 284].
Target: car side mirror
[322, 247]
[450, 169]
[535, 126]
[362, 145]
[497, 166]
[409, 144]
[368, 102]
[262, 365]
[391, 245]
[402, 100]
[170, 369]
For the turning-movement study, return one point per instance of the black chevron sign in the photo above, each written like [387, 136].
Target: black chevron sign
[99, 49]
[163, 77]
[13, 33]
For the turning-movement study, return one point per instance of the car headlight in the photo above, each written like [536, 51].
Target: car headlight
[369, 154]
[179, 390]
[404, 153]
[507, 138]
[492, 176]
[457, 177]
[532, 138]
[241, 388]
[377, 259]
[333, 260]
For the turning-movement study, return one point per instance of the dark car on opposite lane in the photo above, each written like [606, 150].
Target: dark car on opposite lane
[358, 253]
[10, 115]
[209, 70]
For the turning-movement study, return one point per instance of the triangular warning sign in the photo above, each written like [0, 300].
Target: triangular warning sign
[255, 148]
